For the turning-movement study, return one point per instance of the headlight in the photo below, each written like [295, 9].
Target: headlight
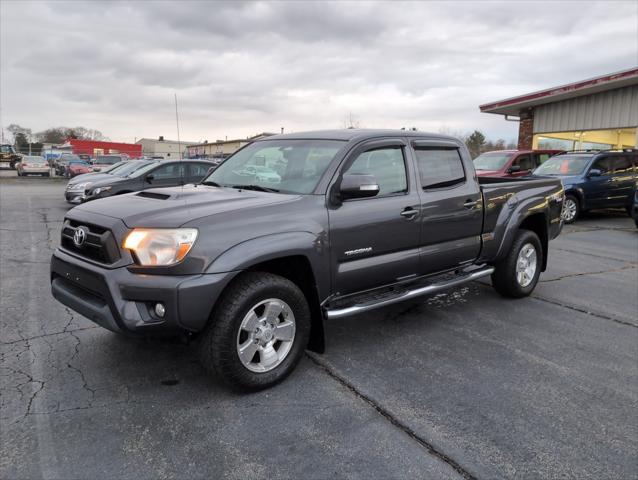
[80, 186]
[160, 246]
[99, 190]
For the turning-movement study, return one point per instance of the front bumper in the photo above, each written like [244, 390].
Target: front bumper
[123, 302]
[74, 196]
[35, 170]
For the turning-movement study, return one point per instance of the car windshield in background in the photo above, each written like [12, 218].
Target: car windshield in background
[564, 165]
[140, 171]
[491, 161]
[287, 166]
[127, 168]
[70, 158]
[79, 162]
[107, 159]
[114, 167]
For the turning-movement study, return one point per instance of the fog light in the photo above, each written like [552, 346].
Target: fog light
[160, 310]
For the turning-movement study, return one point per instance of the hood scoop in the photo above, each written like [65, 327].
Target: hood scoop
[153, 195]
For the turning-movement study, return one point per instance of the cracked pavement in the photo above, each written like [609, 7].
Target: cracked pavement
[460, 385]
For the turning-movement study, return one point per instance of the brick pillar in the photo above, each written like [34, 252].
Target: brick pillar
[526, 129]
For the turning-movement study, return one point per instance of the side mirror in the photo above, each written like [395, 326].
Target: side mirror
[514, 169]
[210, 170]
[150, 177]
[358, 186]
[594, 172]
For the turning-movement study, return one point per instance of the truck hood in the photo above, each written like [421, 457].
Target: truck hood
[175, 206]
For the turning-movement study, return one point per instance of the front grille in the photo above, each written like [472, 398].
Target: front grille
[99, 243]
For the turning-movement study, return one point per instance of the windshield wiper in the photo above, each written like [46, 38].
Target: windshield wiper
[211, 184]
[257, 188]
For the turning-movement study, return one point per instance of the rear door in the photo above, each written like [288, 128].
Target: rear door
[451, 207]
[623, 180]
[375, 241]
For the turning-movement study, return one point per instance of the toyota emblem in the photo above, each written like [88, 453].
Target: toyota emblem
[79, 237]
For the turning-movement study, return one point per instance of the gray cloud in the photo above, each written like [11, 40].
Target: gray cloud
[241, 67]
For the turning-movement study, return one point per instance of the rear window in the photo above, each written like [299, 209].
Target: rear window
[439, 167]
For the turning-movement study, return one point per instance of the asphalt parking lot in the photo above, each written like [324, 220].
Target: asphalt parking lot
[461, 385]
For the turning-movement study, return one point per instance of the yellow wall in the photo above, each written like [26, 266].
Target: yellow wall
[617, 138]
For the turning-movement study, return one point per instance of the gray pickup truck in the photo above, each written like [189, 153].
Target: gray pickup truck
[296, 229]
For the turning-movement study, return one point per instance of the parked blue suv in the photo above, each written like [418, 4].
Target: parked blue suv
[594, 179]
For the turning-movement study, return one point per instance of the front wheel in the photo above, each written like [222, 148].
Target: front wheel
[517, 274]
[258, 331]
[571, 209]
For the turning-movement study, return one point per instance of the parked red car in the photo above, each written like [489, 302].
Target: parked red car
[510, 163]
[77, 168]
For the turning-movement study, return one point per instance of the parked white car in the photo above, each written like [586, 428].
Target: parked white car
[33, 165]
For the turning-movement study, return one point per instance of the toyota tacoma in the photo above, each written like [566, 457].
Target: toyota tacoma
[296, 229]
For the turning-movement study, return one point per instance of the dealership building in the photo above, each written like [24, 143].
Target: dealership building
[599, 112]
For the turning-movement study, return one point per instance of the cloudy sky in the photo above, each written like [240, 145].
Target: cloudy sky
[244, 68]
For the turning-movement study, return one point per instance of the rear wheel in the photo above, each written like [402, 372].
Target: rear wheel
[257, 332]
[571, 208]
[517, 274]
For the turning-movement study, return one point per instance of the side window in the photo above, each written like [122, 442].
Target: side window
[603, 164]
[198, 170]
[170, 171]
[524, 161]
[439, 167]
[621, 164]
[387, 165]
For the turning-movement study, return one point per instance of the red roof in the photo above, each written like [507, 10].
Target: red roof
[512, 106]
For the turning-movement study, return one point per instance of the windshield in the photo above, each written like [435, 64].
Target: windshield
[491, 161]
[129, 167]
[81, 163]
[107, 160]
[287, 166]
[564, 165]
[140, 171]
[66, 158]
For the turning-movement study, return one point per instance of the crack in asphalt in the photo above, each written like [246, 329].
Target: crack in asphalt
[584, 274]
[45, 335]
[331, 372]
[604, 257]
[583, 310]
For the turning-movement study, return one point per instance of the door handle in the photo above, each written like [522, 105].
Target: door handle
[409, 213]
[470, 204]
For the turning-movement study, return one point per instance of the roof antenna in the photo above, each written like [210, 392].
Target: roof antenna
[179, 145]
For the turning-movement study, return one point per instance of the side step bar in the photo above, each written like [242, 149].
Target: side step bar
[406, 295]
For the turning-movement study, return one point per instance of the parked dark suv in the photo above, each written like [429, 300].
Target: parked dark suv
[594, 179]
[156, 174]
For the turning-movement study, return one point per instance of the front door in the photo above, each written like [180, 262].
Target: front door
[167, 175]
[525, 163]
[451, 208]
[375, 241]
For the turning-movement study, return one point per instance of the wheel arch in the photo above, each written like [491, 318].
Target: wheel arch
[537, 223]
[297, 269]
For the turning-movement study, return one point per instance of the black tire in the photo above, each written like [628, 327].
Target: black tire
[218, 343]
[573, 198]
[46, 174]
[504, 278]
